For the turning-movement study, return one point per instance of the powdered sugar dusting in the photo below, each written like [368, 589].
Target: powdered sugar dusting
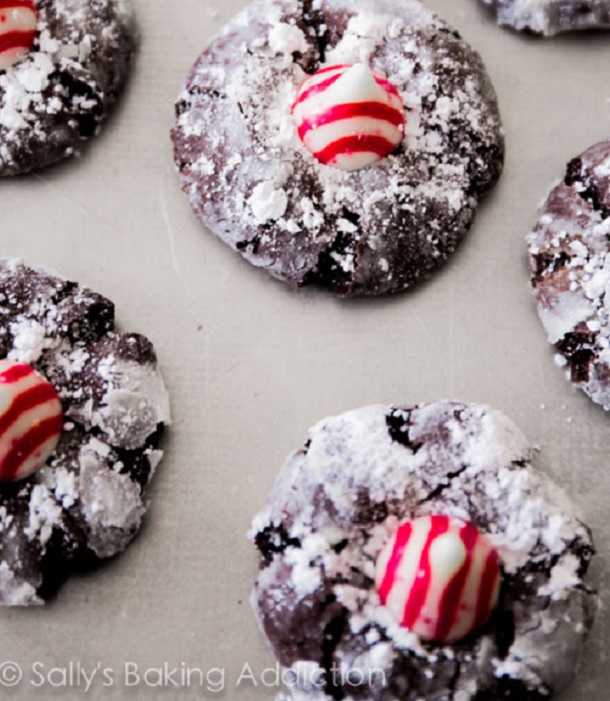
[570, 261]
[237, 113]
[90, 493]
[112, 504]
[57, 95]
[337, 501]
[549, 17]
[134, 404]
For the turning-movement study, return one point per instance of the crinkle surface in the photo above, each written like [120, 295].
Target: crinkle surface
[337, 501]
[58, 95]
[251, 181]
[88, 501]
[552, 16]
[570, 262]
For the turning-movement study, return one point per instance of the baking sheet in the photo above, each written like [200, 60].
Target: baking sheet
[251, 364]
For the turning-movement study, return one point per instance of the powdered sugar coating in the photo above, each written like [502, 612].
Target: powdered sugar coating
[56, 97]
[550, 17]
[88, 500]
[372, 231]
[570, 262]
[334, 506]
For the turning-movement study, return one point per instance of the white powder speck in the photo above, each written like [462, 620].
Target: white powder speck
[267, 202]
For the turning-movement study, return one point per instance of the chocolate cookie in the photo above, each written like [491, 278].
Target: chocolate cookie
[552, 16]
[454, 478]
[570, 262]
[62, 64]
[87, 501]
[334, 209]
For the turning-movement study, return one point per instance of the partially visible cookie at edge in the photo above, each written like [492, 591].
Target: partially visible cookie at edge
[338, 501]
[549, 17]
[569, 252]
[250, 180]
[56, 93]
[88, 500]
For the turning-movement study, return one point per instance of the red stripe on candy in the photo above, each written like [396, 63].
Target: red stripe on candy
[16, 40]
[355, 144]
[488, 585]
[15, 372]
[336, 67]
[317, 88]
[421, 585]
[386, 85]
[28, 444]
[350, 110]
[27, 400]
[452, 596]
[8, 4]
[403, 536]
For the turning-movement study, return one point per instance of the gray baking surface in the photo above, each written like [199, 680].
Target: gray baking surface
[251, 364]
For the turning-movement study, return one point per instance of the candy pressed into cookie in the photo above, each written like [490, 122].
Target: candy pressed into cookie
[412, 553]
[552, 16]
[341, 143]
[82, 413]
[62, 65]
[570, 263]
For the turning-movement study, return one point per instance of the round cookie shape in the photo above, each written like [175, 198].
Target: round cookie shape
[378, 229]
[338, 502]
[570, 271]
[87, 501]
[438, 577]
[58, 93]
[549, 17]
[30, 420]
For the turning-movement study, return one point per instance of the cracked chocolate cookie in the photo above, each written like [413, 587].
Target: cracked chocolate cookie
[570, 263]
[340, 143]
[552, 16]
[418, 507]
[82, 413]
[62, 65]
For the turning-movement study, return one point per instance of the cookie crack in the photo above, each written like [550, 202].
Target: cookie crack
[87, 92]
[333, 633]
[547, 264]
[315, 22]
[273, 541]
[452, 683]
[438, 491]
[399, 425]
[578, 348]
[582, 185]
[254, 243]
[332, 268]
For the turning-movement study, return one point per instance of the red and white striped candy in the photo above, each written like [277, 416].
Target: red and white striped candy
[30, 420]
[18, 20]
[439, 577]
[349, 116]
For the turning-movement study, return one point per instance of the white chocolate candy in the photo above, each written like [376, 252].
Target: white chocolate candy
[349, 116]
[30, 420]
[439, 577]
[18, 20]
